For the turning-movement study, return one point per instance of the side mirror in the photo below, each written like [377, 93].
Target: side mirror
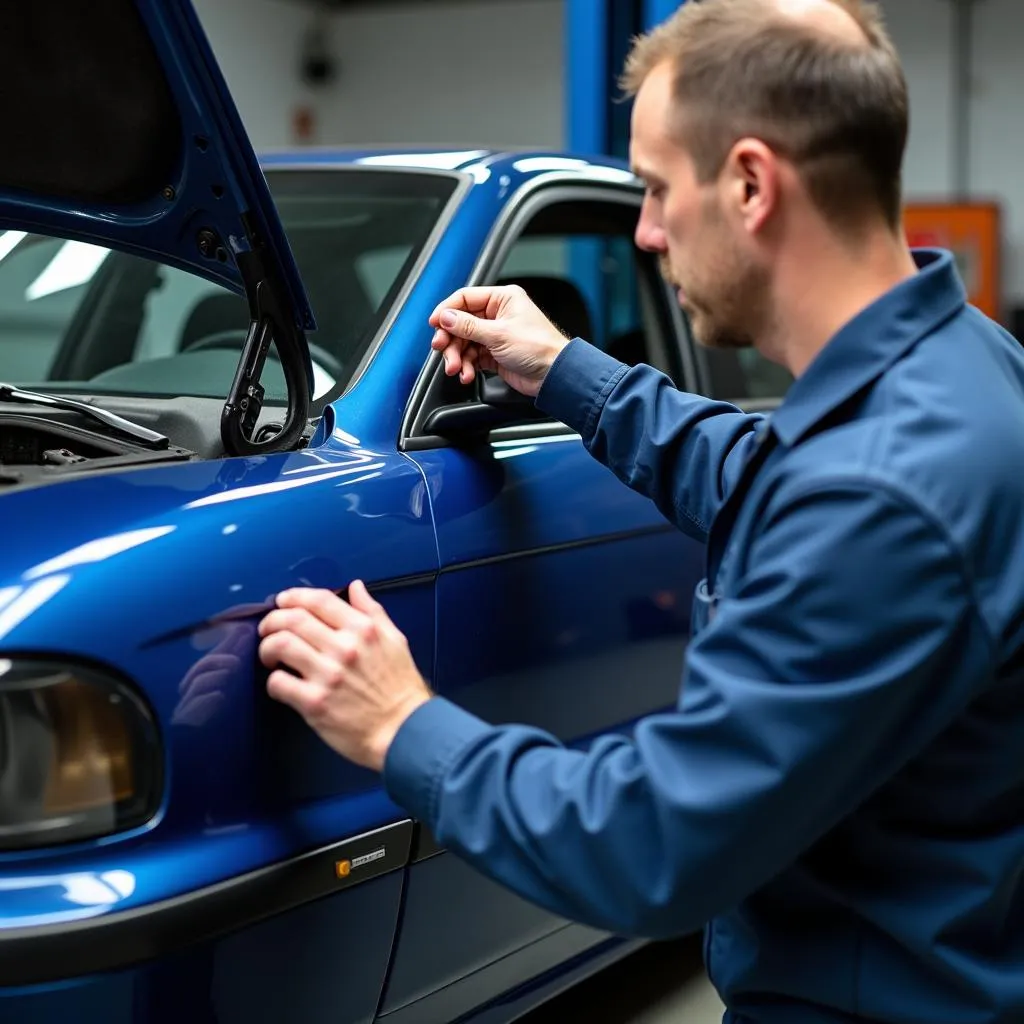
[494, 391]
[494, 405]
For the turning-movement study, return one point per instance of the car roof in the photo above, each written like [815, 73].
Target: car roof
[521, 163]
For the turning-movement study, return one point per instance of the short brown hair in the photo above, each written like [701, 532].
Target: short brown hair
[835, 107]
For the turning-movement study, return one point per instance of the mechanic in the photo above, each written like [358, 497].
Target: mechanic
[840, 790]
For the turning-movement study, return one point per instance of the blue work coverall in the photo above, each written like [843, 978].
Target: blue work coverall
[839, 795]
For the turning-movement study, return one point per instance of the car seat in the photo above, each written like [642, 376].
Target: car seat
[221, 311]
[560, 301]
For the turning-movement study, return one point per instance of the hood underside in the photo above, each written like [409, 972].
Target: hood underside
[120, 131]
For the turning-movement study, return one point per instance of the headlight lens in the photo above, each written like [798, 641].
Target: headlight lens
[79, 755]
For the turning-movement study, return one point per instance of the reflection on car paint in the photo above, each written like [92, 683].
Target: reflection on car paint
[91, 892]
[526, 535]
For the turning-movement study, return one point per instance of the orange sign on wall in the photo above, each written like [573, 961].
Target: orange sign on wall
[972, 232]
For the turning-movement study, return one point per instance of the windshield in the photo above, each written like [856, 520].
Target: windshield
[77, 317]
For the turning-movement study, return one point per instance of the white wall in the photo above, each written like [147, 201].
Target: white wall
[997, 127]
[446, 73]
[923, 31]
[256, 43]
[449, 74]
[458, 73]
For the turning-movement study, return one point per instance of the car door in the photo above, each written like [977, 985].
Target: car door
[563, 597]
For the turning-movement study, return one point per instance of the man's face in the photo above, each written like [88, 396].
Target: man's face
[722, 288]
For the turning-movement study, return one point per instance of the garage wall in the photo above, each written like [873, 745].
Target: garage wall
[997, 128]
[256, 43]
[452, 74]
[457, 73]
[444, 73]
[924, 31]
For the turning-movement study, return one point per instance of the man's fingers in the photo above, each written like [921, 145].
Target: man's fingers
[285, 688]
[462, 358]
[287, 648]
[307, 626]
[323, 604]
[453, 357]
[486, 362]
[471, 328]
[323, 621]
[363, 602]
[469, 300]
[469, 361]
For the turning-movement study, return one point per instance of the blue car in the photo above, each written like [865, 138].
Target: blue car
[219, 385]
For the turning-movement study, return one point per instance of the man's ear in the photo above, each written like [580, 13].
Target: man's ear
[750, 177]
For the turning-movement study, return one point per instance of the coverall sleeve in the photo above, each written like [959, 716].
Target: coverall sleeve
[681, 450]
[842, 652]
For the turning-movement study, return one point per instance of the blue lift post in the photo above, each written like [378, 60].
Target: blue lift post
[657, 11]
[597, 38]
[587, 60]
[598, 34]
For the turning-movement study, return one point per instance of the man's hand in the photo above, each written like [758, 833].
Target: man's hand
[496, 329]
[357, 682]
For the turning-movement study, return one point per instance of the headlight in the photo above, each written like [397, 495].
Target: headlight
[79, 755]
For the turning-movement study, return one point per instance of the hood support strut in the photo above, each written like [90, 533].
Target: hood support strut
[269, 324]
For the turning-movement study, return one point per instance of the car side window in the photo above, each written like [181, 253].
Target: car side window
[578, 262]
[575, 257]
[45, 281]
[744, 377]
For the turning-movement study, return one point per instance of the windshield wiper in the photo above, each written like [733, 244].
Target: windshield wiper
[145, 436]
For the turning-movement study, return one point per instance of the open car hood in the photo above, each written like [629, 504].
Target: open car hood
[120, 131]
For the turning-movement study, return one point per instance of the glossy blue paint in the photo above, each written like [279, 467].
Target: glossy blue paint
[595, 597]
[337, 957]
[531, 585]
[235, 533]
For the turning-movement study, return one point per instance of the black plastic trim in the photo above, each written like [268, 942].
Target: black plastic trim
[534, 552]
[570, 545]
[535, 194]
[529, 431]
[424, 844]
[464, 999]
[30, 956]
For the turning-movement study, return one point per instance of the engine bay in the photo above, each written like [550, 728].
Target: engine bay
[41, 444]
[35, 447]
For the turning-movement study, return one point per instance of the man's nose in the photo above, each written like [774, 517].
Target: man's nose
[649, 236]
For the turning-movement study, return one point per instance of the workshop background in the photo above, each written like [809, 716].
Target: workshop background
[541, 73]
[470, 74]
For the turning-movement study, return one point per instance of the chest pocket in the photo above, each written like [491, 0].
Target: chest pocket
[727, 532]
[705, 603]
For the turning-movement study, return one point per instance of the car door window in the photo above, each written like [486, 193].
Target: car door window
[578, 262]
[43, 283]
[572, 251]
[744, 377]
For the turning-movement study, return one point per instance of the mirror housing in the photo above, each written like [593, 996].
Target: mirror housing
[494, 405]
